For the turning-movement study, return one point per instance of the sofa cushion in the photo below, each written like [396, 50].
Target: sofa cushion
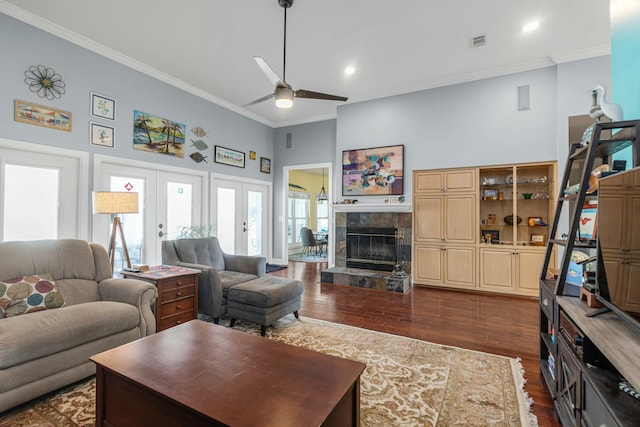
[267, 291]
[231, 278]
[29, 294]
[52, 331]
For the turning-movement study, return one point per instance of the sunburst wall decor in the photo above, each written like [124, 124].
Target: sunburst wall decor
[44, 81]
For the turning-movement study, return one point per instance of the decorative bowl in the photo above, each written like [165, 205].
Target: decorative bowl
[509, 219]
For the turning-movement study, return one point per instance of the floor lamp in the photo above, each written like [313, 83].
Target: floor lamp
[115, 202]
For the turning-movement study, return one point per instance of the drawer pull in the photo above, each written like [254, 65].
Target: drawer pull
[545, 302]
[178, 307]
[178, 283]
[179, 294]
[178, 322]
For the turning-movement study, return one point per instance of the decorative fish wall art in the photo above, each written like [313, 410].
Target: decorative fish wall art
[198, 157]
[199, 132]
[199, 144]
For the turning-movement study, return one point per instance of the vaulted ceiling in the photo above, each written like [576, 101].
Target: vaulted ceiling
[207, 46]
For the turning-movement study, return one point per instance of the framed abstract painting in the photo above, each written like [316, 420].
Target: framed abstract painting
[373, 171]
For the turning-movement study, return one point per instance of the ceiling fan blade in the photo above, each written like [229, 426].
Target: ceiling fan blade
[257, 101]
[267, 70]
[301, 93]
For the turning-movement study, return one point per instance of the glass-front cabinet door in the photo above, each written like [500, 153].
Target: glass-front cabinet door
[515, 206]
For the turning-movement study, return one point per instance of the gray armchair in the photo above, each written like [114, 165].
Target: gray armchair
[218, 271]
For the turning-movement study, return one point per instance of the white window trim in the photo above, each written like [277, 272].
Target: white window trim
[82, 158]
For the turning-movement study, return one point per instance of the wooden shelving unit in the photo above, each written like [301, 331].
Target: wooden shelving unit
[583, 359]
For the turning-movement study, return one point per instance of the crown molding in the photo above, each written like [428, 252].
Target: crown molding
[84, 42]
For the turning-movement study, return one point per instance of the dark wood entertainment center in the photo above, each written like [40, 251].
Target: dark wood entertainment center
[583, 359]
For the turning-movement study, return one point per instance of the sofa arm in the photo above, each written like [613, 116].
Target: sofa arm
[138, 293]
[246, 264]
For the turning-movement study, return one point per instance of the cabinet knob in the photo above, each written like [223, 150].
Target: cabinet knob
[179, 294]
[178, 322]
[545, 302]
[178, 307]
[178, 283]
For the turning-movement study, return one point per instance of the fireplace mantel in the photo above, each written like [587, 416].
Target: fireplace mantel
[372, 207]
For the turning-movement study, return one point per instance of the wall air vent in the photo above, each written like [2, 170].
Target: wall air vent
[478, 41]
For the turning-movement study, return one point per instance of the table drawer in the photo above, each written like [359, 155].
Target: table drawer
[176, 306]
[170, 321]
[177, 293]
[178, 282]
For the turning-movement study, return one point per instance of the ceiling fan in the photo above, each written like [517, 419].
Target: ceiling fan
[283, 92]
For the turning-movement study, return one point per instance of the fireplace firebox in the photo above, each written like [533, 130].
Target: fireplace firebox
[373, 248]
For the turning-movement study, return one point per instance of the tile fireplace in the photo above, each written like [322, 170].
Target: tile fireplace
[367, 246]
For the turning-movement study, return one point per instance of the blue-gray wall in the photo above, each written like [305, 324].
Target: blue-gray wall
[83, 71]
[469, 124]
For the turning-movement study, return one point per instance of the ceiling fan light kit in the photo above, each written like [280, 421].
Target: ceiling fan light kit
[284, 97]
[283, 92]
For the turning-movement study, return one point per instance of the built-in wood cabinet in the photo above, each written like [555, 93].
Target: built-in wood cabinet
[453, 266]
[445, 181]
[451, 218]
[462, 234]
[510, 270]
[619, 216]
[445, 222]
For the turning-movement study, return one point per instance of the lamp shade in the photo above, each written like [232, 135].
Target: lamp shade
[114, 202]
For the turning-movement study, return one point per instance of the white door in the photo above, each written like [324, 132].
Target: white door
[241, 216]
[40, 195]
[169, 202]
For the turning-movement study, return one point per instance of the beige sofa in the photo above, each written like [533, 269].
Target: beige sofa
[45, 350]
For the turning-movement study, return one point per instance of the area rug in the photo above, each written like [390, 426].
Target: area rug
[407, 382]
[308, 258]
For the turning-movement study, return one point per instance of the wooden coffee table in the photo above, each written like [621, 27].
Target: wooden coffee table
[200, 374]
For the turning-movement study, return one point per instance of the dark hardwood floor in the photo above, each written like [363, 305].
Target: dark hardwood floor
[495, 324]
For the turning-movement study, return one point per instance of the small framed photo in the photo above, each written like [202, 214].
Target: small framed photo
[393, 200]
[488, 194]
[265, 165]
[101, 135]
[252, 155]
[588, 222]
[103, 107]
[538, 239]
[491, 236]
[230, 157]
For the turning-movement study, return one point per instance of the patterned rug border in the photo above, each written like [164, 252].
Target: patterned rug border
[525, 402]
[48, 406]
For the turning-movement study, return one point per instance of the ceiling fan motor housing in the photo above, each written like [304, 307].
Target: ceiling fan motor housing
[285, 3]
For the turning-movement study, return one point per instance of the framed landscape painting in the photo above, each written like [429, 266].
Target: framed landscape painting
[373, 171]
[230, 157]
[40, 115]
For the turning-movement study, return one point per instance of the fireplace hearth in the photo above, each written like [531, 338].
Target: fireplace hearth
[368, 245]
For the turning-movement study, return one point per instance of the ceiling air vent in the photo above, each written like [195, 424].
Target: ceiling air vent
[478, 41]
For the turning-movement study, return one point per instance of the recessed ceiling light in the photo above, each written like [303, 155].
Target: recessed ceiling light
[349, 70]
[530, 26]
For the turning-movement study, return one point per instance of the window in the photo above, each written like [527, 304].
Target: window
[33, 192]
[322, 215]
[298, 215]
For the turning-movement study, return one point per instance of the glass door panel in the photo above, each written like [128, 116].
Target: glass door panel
[179, 209]
[27, 188]
[254, 233]
[226, 218]
[132, 223]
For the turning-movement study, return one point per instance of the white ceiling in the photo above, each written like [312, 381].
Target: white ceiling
[207, 46]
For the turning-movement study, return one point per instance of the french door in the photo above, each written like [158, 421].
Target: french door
[169, 202]
[241, 216]
[41, 191]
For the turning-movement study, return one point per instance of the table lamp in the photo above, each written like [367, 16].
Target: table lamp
[115, 202]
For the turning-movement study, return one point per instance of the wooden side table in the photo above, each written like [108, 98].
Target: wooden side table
[177, 293]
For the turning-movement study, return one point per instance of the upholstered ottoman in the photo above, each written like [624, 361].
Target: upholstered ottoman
[264, 300]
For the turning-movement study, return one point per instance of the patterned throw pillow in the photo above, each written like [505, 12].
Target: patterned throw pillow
[28, 294]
